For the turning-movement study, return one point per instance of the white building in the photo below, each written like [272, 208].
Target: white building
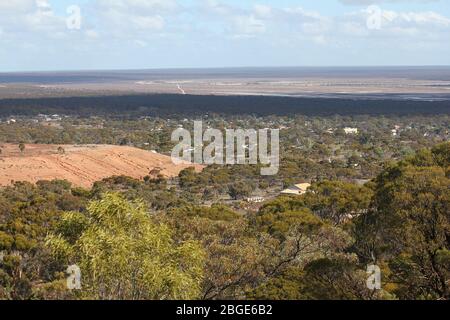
[349, 130]
[255, 199]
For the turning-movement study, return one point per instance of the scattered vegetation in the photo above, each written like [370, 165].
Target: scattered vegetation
[144, 240]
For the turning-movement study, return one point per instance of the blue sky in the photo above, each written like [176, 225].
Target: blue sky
[129, 34]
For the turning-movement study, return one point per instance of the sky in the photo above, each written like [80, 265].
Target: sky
[47, 35]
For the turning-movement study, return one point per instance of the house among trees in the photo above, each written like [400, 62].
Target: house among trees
[297, 189]
[256, 200]
[349, 130]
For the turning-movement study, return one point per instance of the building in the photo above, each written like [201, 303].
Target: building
[256, 199]
[349, 130]
[297, 189]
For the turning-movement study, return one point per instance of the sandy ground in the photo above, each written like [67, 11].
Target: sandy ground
[301, 87]
[81, 165]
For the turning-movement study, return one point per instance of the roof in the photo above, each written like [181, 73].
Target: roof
[290, 191]
[297, 189]
[303, 186]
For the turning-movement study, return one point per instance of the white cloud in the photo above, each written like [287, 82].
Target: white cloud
[217, 7]
[304, 14]
[248, 25]
[423, 18]
[262, 11]
[140, 19]
[140, 43]
[369, 2]
[207, 25]
[149, 23]
[133, 18]
[91, 34]
[16, 6]
[138, 6]
[30, 17]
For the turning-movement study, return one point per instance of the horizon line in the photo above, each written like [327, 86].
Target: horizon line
[220, 68]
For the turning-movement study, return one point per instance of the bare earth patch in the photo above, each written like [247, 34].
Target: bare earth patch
[82, 165]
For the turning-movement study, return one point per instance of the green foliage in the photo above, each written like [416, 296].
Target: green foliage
[285, 287]
[441, 155]
[240, 190]
[187, 177]
[173, 244]
[215, 212]
[335, 279]
[279, 224]
[283, 204]
[124, 255]
[410, 226]
[338, 201]
[27, 214]
[6, 241]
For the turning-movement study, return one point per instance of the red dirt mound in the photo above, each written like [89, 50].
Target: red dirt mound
[82, 165]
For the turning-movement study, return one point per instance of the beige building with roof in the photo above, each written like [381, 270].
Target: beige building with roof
[297, 189]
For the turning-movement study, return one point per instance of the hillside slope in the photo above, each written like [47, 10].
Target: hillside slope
[81, 165]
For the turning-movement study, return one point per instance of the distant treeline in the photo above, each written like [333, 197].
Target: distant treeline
[173, 105]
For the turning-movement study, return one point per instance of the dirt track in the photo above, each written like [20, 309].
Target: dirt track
[81, 165]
